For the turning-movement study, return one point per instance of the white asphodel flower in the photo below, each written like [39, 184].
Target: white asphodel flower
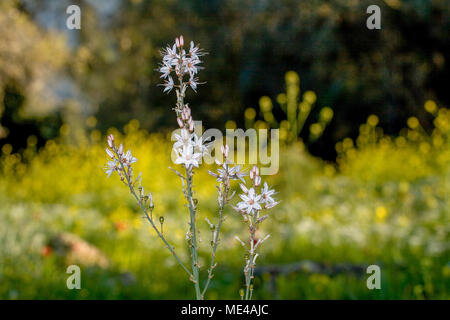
[267, 194]
[194, 51]
[168, 84]
[187, 156]
[193, 82]
[250, 202]
[170, 55]
[111, 167]
[183, 139]
[165, 69]
[128, 158]
[190, 65]
[233, 173]
[201, 144]
[238, 174]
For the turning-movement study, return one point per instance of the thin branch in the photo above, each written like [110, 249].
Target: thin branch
[160, 235]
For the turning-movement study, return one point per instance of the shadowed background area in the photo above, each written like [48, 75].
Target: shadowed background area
[364, 129]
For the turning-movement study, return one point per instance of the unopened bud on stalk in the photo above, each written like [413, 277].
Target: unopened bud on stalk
[111, 141]
[177, 42]
[150, 201]
[110, 153]
[161, 220]
[191, 125]
[181, 41]
[243, 188]
[257, 181]
[240, 241]
[120, 151]
[225, 150]
[241, 293]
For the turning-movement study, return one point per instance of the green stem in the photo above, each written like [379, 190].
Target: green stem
[193, 245]
[215, 243]
[249, 275]
[141, 205]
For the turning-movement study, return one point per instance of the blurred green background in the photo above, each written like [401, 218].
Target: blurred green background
[365, 145]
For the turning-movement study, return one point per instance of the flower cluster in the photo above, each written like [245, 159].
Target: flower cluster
[180, 63]
[120, 161]
[227, 172]
[189, 148]
[252, 202]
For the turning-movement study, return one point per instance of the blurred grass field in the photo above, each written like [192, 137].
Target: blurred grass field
[385, 202]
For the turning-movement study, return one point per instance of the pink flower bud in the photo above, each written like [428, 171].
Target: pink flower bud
[110, 153]
[191, 125]
[180, 123]
[110, 140]
[225, 151]
[252, 174]
[120, 151]
[177, 42]
[181, 41]
[257, 181]
[243, 187]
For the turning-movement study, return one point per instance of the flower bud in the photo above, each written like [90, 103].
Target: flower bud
[150, 201]
[225, 151]
[177, 42]
[110, 153]
[161, 219]
[111, 141]
[257, 181]
[181, 41]
[191, 126]
[120, 151]
[243, 187]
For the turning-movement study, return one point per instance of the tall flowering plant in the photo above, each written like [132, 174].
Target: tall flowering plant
[179, 69]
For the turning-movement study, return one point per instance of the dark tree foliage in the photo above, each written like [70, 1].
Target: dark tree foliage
[252, 43]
